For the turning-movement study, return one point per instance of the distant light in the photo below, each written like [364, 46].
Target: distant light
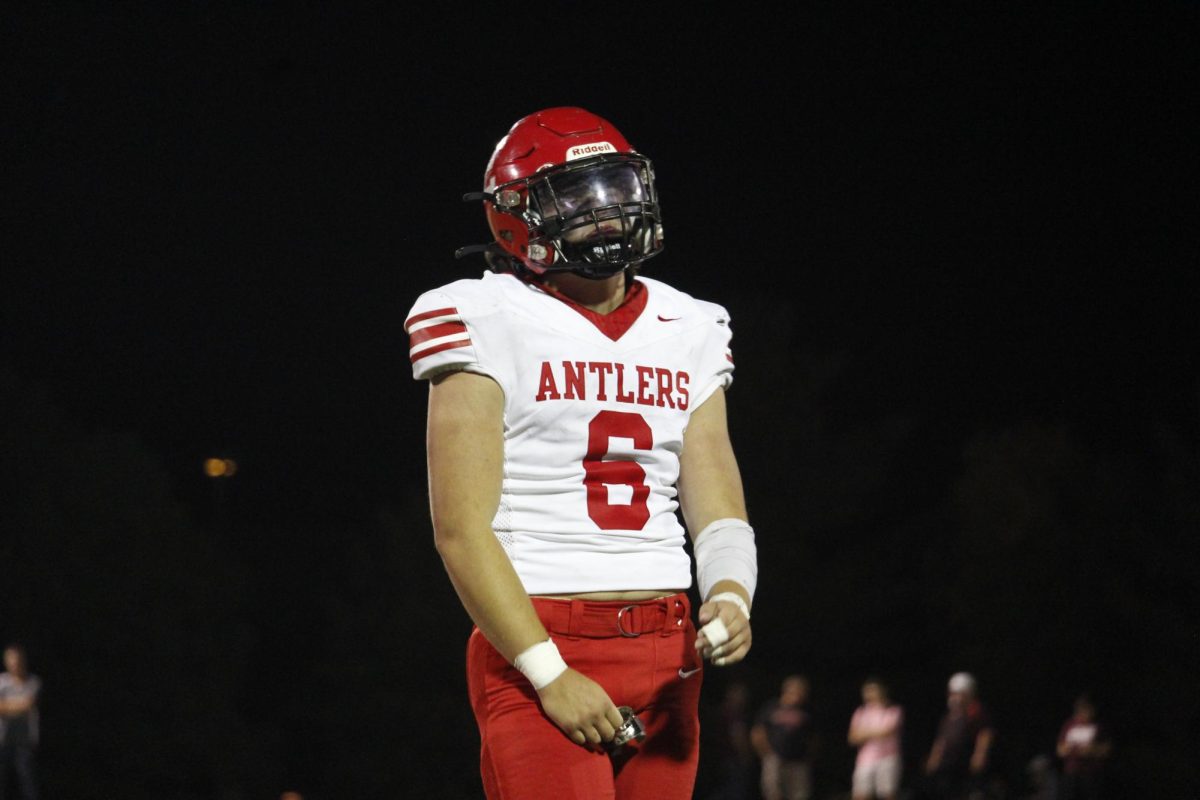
[220, 467]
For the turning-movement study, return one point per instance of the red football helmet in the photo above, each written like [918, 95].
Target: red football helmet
[564, 191]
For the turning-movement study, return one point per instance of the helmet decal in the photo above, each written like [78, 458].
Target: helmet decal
[584, 150]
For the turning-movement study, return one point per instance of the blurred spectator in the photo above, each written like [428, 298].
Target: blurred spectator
[18, 723]
[1084, 746]
[875, 731]
[959, 758]
[1043, 781]
[732, 746]
[782, 735]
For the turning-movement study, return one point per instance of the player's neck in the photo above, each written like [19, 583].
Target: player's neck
[601, 296]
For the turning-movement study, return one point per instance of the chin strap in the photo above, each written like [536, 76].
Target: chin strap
[495, 256]
[472, 249]
[592, 275]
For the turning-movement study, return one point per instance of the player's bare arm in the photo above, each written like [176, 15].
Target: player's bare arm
[710, 489]
[465, 451]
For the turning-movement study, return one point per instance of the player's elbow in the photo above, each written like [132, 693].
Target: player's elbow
[455, 533]
[453, 549]
[449, 535]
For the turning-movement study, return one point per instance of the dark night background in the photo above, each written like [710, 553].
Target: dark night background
[957, 249]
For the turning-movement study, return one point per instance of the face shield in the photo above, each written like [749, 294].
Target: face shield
[596, 216]
[602, 186]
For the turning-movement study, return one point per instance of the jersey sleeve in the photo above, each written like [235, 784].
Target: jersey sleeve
[439, 336]
[716, 358]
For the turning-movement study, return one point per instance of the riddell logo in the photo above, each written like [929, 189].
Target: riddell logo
[585, 150]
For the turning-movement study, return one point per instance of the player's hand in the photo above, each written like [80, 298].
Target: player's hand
[738, 644]
[580, 708]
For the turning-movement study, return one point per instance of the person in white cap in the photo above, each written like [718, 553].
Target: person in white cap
[959, 758]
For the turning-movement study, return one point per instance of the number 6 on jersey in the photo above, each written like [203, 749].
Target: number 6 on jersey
[599, 474]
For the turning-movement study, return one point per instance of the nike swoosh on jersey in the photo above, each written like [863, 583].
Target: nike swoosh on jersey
[685, 674]
[661, 318]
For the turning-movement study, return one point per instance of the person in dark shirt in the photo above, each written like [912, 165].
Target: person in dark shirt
[1084, 747]
[782, 735]
[731, 748]
[959, 758]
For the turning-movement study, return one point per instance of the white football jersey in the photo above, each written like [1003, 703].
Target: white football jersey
[595, 408]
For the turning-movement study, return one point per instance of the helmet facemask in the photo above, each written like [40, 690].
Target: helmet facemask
[594, 217]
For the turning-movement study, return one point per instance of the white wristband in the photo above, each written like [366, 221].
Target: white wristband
[732, 597]
[541, 664]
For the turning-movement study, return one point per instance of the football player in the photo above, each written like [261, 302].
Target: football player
[574, 406]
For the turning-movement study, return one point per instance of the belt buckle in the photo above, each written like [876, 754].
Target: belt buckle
[621, 626]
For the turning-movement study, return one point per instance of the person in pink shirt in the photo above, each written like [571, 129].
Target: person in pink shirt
[875, 731]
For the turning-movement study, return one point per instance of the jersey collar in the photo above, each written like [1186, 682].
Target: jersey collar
[615, 323]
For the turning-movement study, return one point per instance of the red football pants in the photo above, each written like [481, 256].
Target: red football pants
[643, 655]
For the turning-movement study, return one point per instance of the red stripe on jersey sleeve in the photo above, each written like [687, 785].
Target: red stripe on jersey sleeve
[444, 346]
[438, 312]
[435, 332]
